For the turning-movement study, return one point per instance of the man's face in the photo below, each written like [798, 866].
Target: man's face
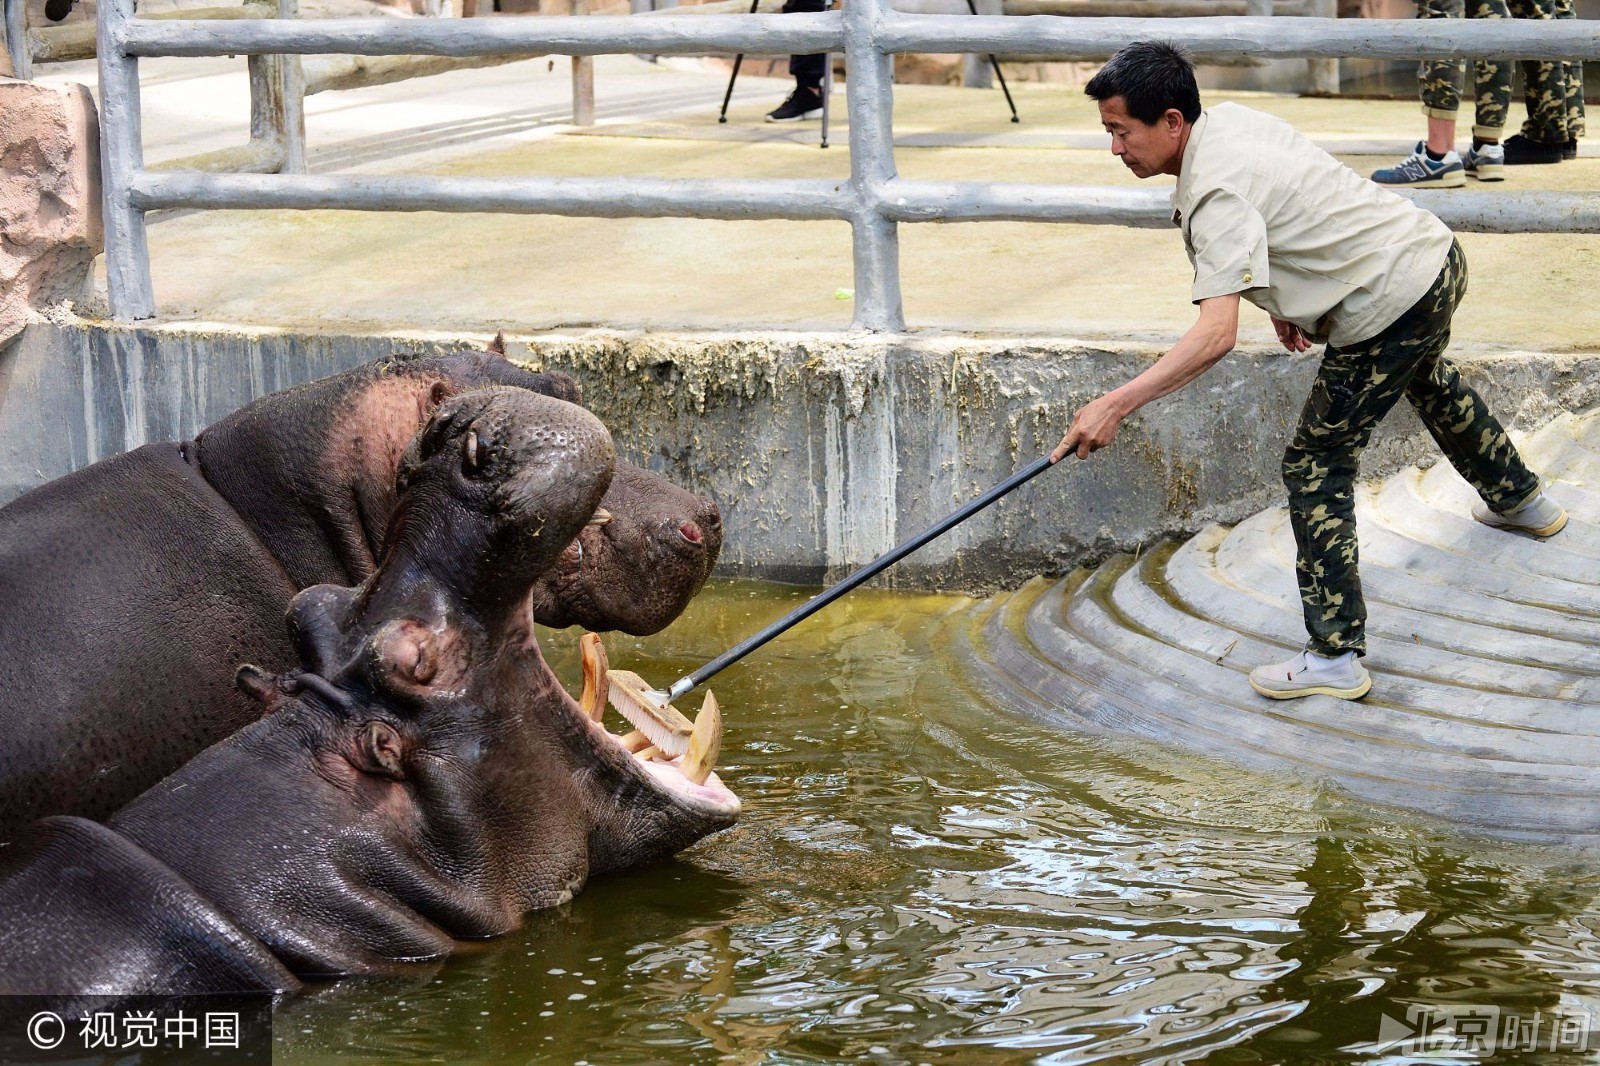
[1145, 150]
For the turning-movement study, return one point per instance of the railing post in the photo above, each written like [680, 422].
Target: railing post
[1322, 75]
[17, 39]
[582, 78]
[875, 240]
[277, 104]
[121, 158]
[291, 86]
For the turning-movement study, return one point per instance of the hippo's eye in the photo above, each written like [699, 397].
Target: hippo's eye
[469, 452]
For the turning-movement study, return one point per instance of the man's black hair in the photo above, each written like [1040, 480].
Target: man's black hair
[1151, 77]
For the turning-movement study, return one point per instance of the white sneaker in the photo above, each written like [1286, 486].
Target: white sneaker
[1310, 674]
[1486, 162]
[1538, 515]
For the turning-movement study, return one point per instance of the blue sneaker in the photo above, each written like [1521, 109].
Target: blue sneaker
[1487, 163]
[1417, 170]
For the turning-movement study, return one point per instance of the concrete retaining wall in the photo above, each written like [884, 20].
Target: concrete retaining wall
[824, 450]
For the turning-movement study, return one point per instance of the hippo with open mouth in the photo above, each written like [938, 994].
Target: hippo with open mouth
[130, 590]
[422, 777]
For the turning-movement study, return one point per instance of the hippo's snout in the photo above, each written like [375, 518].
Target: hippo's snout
[703, 526]
[643, 556]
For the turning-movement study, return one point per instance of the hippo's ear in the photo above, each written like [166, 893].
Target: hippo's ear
[318, 618]
[266, 689]
[380, 750]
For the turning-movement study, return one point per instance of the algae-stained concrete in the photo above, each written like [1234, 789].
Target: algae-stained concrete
[823, 450]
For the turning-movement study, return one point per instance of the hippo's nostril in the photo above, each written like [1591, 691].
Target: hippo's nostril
[691, 533]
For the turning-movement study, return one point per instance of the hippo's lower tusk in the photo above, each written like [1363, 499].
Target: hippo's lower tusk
[595, 669]
[704, 743]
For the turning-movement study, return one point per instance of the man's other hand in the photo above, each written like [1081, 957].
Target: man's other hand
[1292, 336]
[1094, 427]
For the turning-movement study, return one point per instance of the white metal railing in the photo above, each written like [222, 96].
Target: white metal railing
[874, 200]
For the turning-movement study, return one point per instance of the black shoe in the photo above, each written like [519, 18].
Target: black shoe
[802, 103]
[1571, 149]
[1522, 150]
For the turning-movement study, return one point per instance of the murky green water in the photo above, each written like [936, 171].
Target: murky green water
[921, 878]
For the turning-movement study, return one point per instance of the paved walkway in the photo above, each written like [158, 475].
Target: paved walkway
[470, 273]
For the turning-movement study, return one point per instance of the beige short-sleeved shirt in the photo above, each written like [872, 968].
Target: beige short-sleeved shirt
[1269, 215]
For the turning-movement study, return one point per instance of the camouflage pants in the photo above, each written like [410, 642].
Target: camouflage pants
[1355, 388]
[1552, 91]
[1441, 80]
[1574, 80]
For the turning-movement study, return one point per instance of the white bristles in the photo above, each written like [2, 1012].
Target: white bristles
[649, 712]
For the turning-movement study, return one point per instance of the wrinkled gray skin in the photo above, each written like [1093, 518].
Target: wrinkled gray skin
[131, 589]
[422, 778]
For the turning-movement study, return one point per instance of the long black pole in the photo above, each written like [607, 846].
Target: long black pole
[878, 565]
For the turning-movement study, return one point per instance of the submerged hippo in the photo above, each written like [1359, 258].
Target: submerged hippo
[423, 777]
[129, 590]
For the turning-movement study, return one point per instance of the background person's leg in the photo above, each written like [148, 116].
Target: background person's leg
[1574, 86]
[1434, 161]
[1439, 80]
[1486, 159]
[1544, 92]
[806, 100]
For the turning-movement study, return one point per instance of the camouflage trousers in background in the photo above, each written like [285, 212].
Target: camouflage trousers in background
[1441, 80]
[1553, 91]
[1355, 388]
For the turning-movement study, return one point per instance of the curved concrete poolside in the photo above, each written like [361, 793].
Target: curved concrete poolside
[1485, 707]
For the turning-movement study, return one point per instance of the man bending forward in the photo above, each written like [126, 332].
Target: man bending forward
[1269, 216]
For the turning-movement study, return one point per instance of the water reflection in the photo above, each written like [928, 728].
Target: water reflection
[921, 878]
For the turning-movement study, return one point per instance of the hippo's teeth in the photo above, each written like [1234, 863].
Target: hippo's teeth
[595, 670]
[663, 723]
[602, 517]
[704, 743]
[634, 742]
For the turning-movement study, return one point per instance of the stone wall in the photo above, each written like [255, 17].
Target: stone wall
[49, 198]
[824, 450]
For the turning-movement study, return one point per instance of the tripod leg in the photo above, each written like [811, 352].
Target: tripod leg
[995, 63]
[827, 93]
[1004, 87]
[738, 59]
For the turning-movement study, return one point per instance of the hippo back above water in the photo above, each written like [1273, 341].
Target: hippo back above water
[131, 589]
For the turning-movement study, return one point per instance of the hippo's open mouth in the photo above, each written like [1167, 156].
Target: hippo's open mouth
[664, 751]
